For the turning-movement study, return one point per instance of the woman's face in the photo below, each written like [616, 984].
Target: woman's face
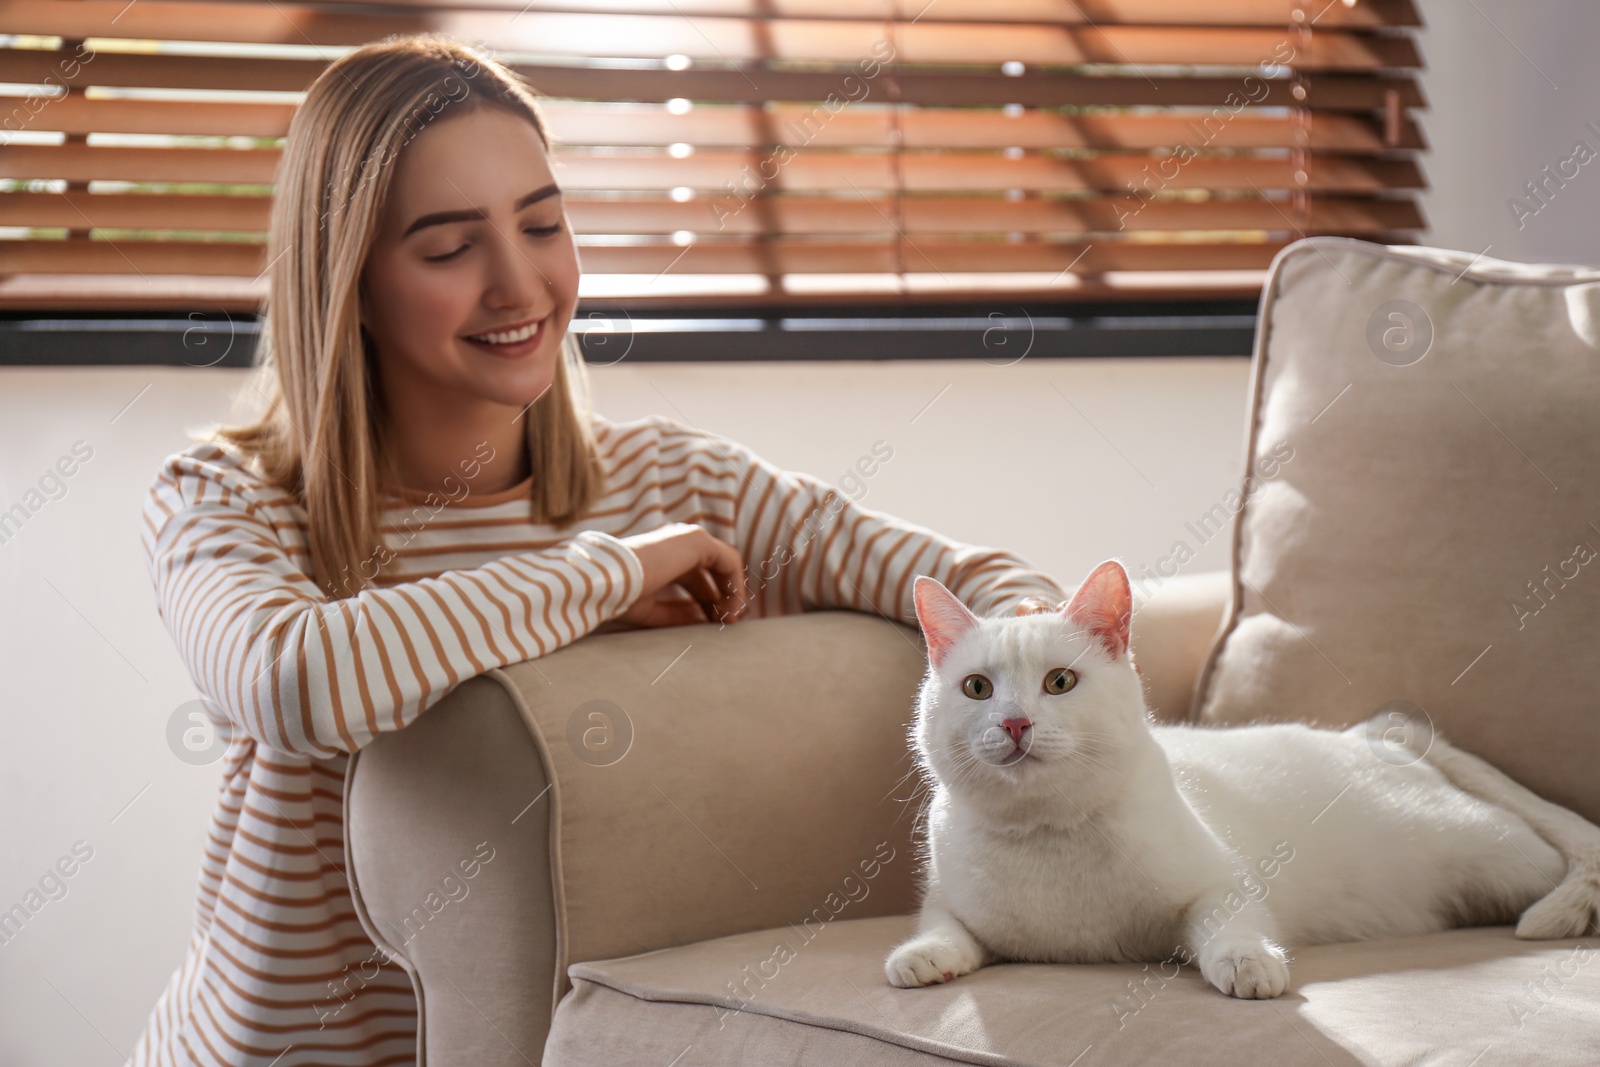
[473, 240]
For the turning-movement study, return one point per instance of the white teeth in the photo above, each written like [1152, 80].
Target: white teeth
[510, 338]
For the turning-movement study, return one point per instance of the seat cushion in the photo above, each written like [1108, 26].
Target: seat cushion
[775, 996]
[1419, 535]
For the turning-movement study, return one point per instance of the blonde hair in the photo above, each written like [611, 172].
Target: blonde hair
[322, 435]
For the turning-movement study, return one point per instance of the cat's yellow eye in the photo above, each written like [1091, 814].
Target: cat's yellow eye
[977, 686]
[1060, 679]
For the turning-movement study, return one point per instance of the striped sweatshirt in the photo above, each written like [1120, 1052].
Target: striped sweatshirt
[470, 583]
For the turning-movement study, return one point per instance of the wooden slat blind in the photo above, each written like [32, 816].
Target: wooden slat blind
[996, 146]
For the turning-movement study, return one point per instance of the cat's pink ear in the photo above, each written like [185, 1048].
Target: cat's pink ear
[943, 617]
[1103, 605]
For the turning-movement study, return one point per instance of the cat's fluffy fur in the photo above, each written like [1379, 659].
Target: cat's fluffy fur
[1066, 827]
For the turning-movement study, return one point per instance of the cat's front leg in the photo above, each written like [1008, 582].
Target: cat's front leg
[941, 950]
[1234, 948]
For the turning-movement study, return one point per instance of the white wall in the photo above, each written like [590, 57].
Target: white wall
[1511, 85]
[90, 675]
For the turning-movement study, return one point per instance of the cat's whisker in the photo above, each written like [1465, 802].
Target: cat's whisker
[1086, 755]
[915, 772]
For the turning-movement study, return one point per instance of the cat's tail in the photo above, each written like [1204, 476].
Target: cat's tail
[1572, 909]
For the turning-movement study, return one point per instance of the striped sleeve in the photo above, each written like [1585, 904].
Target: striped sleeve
[821, 549]
[301, 673]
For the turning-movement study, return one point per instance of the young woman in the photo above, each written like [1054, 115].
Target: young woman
[427, 496]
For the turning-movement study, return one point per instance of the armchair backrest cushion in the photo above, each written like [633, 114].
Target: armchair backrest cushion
[1418, 541]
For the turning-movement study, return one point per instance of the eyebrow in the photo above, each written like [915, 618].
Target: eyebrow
[438, 218]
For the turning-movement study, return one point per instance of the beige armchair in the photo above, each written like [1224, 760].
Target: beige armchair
[697, 844]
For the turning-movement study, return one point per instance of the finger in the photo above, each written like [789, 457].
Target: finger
[677, 613]
[706, 589]
[702, 585]
[725, 564]
[1032, 605]
[675, 606]
[692, 611]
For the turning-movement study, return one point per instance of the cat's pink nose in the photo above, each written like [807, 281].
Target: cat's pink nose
[1014, 727]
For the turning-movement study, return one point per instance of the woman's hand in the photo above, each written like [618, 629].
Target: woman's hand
[689, 577]
[1033, 605]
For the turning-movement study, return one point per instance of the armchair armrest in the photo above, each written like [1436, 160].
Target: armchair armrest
[736, 778]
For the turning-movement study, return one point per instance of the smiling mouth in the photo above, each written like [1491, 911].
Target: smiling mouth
[512, 349]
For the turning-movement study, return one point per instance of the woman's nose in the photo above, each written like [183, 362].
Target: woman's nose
[517, 281]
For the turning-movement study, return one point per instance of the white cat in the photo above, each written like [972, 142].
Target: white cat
[1066, 828]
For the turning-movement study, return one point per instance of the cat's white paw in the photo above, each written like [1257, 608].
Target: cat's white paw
[929, 959]
[1569, 910]
[1251, 970]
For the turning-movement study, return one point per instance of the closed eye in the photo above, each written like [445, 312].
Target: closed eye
[537, 231]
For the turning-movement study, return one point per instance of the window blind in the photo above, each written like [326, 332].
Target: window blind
[775, 151]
